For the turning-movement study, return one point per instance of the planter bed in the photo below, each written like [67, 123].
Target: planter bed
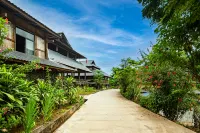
[59, 116]
[52, 125]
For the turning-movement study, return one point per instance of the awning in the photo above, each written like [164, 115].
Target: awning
[25, 57]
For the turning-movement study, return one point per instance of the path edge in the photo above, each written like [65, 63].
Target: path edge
[54, 124]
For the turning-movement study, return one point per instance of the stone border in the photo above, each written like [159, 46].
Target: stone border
[54, 124]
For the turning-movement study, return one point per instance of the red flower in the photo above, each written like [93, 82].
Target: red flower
[150, 77]
[5, 110]
[0, 50]
[6, 20]
[168, 73]
[158, 86]
[146, 67]
[156, 81]
[180, 99]
[161, 81]
[174, 73]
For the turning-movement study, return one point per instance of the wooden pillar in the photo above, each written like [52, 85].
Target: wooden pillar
[79, 76]
[46, 47]
[71, 74]
[85, 75]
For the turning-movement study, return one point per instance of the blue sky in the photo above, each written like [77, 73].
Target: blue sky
[102, 30]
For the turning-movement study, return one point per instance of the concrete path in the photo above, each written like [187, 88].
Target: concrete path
[108, 112]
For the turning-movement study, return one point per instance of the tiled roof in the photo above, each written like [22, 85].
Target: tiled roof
[92, 74]
[25, 57]
[89, 63]
[56, 57]
[64, 39]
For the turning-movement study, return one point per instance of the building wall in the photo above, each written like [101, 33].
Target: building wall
[9, 42]
[40, 48]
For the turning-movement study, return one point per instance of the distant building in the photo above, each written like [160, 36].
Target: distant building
[88, 78]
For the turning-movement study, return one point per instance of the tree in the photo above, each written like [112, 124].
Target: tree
[178, 27]
[98, 78]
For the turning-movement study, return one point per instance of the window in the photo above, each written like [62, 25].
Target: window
[29, 47]
[24, 42]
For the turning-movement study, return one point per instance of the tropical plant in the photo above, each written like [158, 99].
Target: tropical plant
[47, 106]
[68, 83]
[98, 78]
[30, 115]
[14, 94]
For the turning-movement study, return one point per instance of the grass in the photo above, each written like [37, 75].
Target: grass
[86, 90]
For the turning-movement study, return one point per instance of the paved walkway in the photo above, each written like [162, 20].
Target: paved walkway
[108, 112]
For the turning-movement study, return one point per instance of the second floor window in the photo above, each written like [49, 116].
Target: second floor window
[24, 42]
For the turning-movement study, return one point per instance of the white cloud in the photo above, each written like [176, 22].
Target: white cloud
[97, 29]
[111, 51]
[90, 30]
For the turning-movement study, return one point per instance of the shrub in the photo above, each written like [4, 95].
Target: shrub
[170, 89]
[133, 91]
[14, 94]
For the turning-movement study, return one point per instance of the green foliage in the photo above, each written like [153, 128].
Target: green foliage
[170, 71]
[73, 96]
[178, 28]
[71, 91]
[3, 30]
[125, 75]
[149, 103]
[14, 94]
[30, 115]
[133, 91]
[47, 106]
[68, 83]
[86, 90]
[171, 87]
[98, 78]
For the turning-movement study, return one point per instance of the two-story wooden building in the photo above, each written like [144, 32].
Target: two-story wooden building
[32, 40]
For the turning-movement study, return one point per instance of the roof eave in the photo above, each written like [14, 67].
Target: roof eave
[27, 16]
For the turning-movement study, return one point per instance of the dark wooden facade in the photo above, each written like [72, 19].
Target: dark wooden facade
[27, 35]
